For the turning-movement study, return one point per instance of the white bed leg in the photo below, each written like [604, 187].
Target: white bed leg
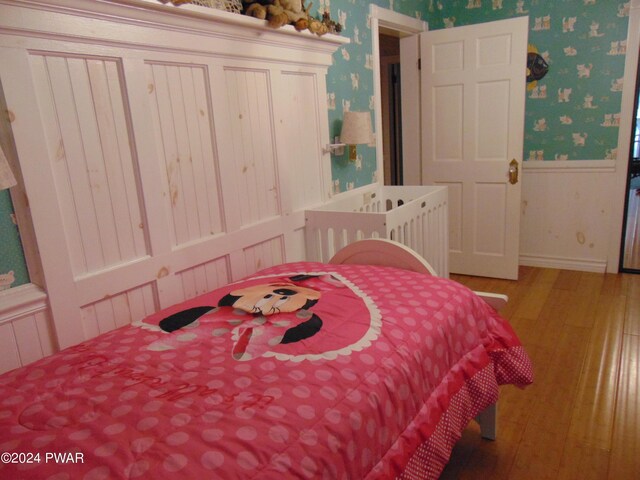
[487, 421]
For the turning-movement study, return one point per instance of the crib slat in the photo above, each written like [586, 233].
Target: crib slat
[413, 215]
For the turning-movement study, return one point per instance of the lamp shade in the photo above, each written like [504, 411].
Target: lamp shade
[356, 128]
[6, 175]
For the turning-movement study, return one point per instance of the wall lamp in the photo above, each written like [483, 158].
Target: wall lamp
[356, 130]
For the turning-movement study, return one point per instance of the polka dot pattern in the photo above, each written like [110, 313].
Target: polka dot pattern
[195, 410]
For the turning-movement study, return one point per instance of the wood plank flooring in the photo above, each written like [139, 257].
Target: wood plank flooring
[580, 419]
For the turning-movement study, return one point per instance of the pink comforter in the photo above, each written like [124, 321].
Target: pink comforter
[303, 371]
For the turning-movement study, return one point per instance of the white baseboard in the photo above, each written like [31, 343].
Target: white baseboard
[563, 263]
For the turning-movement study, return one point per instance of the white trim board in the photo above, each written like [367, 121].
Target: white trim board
[569, 166]
[580, 264]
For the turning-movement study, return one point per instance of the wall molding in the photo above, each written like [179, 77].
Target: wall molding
[397, 21]
[25, 327]
[580, 264]
[570, 166]
[21, 301]
[187, 28]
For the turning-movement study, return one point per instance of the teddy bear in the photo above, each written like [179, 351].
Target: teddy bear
[276, 12]
[255, 9]
[290, 12]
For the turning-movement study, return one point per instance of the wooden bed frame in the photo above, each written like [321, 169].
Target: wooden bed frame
[390, 253]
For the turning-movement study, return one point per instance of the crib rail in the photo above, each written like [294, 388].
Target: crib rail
[414, 216]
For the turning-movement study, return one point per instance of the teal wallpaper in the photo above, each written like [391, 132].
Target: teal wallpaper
[573, 113]
[13, 270]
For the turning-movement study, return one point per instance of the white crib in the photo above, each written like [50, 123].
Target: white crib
[416, 216]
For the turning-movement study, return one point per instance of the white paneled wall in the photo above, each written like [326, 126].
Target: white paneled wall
[165, 151]
[118, 310]
[301, 132]
[264, 254]
[567, 214]
[25, 327]
[87, 137]
[181, 115]
[205, 277]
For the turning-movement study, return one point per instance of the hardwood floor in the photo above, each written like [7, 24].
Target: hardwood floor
[581, 417]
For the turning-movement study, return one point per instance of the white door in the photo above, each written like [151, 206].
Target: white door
[473, 94]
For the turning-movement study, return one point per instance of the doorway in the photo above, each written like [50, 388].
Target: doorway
[391, 106]
[630, 251]
[393, 30]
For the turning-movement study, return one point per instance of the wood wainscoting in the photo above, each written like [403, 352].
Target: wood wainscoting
[25, 327]
[165, 150]
[581, 417]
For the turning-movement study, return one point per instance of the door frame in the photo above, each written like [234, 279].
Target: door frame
[405, 26]
[624, 138]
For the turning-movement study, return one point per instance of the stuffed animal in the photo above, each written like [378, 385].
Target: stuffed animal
[256, 10]
[278, 12]
[332, 26]
[277, 15]
[317, 27]
[290, 12]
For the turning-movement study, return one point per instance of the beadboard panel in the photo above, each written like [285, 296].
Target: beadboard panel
[10, 358]
[180, 110]
[300, 132]
[203, 278]
[119, 310]
[264, 254]
[250, 114]
[567, 215]
[87, 133]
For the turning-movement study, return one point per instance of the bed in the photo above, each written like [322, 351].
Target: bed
[366, 367]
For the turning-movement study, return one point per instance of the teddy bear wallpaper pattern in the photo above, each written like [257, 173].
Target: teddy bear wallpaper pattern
[573, 113]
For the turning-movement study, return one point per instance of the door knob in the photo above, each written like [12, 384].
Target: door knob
[513, 172]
